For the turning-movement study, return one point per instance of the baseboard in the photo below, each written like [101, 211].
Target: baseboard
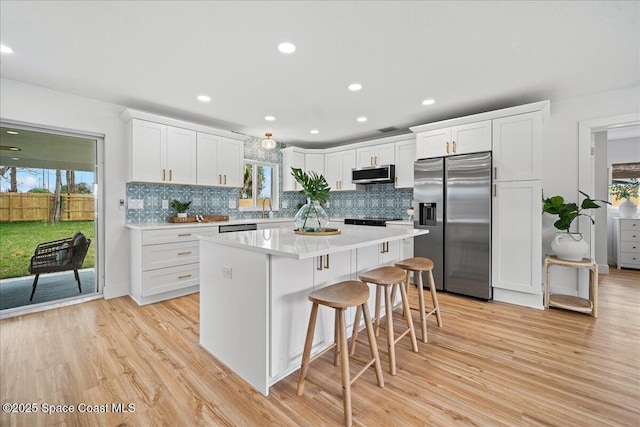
[518, 298]
[115, 291]
[603, 269]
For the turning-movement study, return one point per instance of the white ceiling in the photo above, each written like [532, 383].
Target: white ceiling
[470, 56]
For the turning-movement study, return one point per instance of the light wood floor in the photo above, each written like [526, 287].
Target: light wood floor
[491, 364]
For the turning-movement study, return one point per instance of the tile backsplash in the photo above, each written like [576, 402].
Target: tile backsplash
[381, 200]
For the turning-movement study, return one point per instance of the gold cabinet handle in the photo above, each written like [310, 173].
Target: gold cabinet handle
[170, 174]
[447, 143]
[495, 190]
[184, 235]
[495, 172]
[219, 179]
[454, 146]
[184, 253]
[326, 261]
[225, 179]
[375, 161]
[164, 174]
[186, 276]
[319, 267]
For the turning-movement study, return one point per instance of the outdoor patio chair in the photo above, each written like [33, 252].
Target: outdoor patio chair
[59, 255]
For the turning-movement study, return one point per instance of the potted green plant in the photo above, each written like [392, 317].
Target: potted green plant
[627, 190]
[312, 216]
[180, 207]
[567, 245]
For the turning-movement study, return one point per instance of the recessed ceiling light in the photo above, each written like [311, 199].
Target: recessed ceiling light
[287, 47]
[5, 49]
[12, 132]
[428, 101]
[9, 148]
[355, 87]
[15, 158]
[362, 119]
[204, 98]
[314, 131]
[269, 118]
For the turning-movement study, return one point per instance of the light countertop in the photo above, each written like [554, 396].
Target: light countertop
[167, 225]
[282, 241]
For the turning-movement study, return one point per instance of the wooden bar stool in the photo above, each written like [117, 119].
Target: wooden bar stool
[387, 277]
[341, 296]
[417, 266]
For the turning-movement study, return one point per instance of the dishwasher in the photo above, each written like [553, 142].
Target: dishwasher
[237, 227]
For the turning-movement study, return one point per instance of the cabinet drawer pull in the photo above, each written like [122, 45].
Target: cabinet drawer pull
[319, 267]
[375, 160]
[225, 179]
[184, 235]
[184, 253]
[495, 172]
[219, 179]
[164, 174]
[186, 276]
[495, 191]
[454, 146]
[170, 174]
[326, 261]
[447, 143]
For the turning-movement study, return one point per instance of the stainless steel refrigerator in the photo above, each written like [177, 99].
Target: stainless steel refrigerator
[452, 199]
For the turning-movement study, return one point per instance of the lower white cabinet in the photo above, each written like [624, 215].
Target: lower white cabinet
[517, 240]
[165, 263]
[628, 242]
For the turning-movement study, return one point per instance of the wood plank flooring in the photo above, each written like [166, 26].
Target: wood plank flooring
[491, 364]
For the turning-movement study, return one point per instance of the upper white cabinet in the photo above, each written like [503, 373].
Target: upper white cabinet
[170, 151]
[462, 139]
[292, 157]
[220, 161]
[337, 168]
[162, 153]
[405, 157]
[314, 162]
[517, 147]
[376, 155]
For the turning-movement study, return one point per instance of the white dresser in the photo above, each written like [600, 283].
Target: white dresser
[628, 242]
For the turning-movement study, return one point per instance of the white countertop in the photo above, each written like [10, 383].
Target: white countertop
[165, 225]
[282, 241]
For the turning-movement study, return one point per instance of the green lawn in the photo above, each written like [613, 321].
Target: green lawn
[18, 241]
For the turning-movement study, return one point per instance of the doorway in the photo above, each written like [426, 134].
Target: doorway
[49, 202]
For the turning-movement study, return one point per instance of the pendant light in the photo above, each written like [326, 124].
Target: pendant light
[268, 143]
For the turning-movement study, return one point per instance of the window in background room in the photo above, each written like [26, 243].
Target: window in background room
[260, 182]
[621, 174]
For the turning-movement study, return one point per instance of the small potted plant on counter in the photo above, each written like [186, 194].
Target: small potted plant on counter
[180, 207]
[567, 245]
[312, 217]
[627, 190]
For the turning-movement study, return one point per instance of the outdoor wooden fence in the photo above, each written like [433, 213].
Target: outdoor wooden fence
[39, 207]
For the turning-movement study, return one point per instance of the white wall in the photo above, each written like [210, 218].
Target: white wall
[601, 193]
[47, 108]
[560, 157]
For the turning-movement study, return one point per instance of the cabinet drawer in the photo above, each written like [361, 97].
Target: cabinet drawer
[630, 258]
[630, 236]
[631, 247]
[170, 279]
[630, 224]
[169, 255]
[154, 237]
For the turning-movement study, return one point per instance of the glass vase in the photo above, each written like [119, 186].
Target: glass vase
[311, 217]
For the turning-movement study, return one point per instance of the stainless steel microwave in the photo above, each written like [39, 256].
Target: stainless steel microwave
[384, 174]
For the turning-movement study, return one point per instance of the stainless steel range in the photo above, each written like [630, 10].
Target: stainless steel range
[376, 222]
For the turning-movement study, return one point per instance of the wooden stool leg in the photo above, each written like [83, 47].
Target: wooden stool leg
[307, 348]
[344, 360]
[405, 305]
[373, 346]
[377, 313]
[390, 337]
[356, 326]
[336, 349]
[423, 316]
[434, 297]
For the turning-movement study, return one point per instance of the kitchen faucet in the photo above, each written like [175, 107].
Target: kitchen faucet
[263, 204]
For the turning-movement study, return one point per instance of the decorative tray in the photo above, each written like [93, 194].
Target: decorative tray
[323, 232]
[205, 218]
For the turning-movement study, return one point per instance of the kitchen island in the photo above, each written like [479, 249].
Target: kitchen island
[254, 286]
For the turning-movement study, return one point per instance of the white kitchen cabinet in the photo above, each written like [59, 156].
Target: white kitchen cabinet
[220, 161]
[376, 155]
[627, 237]
[517, 147]
[292, 157]
[462, 139]
[165, 263]
[337, 168]
[516, 238]
[405, 157]
[407, 244]
[314, 162]
[290, 305]
[162, 154]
